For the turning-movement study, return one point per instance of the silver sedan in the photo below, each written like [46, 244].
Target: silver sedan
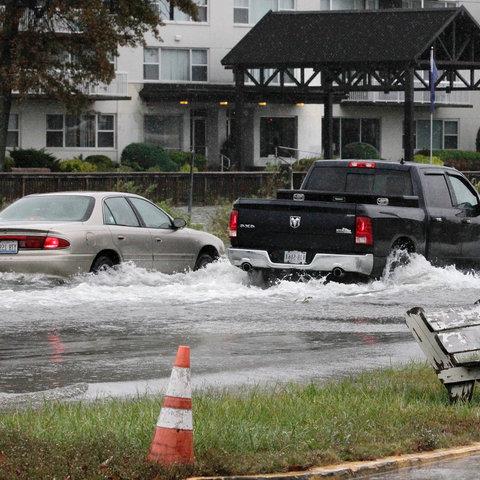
[77, 232]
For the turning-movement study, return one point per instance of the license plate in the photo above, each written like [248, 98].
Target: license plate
[295, 257]
[8, 246]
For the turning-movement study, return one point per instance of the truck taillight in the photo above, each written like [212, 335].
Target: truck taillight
[233, 224]
[363, 231]
[362, 164]
[54, 243]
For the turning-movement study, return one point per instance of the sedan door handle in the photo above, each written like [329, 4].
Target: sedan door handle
[158, 240]
[121, 237]
[438, 219]
[466, 220]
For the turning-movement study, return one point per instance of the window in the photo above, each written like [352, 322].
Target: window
[80, 131]
[352, 130]
[165, 131]
[249, 12]
[117, 211]
[175, 64]
[13, 134]
[349, 4]
[267, 73]
[152, 216]
[169, 12]
[387, 182]
[463, 194]
[277, 132]
[437, 191]
[445, 134]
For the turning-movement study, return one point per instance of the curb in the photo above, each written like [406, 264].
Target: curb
[352, 469]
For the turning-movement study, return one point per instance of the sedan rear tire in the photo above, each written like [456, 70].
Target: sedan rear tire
[203, 260]
[102, 263]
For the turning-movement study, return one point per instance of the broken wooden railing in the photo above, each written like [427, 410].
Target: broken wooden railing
[450, 340]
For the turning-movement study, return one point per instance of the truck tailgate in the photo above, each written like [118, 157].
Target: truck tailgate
[279, 225]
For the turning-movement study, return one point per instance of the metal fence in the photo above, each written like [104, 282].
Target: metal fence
[209, 187]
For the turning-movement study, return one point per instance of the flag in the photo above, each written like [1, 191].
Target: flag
[433, 81]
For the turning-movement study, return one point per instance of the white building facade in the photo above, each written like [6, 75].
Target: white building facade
[175, 93]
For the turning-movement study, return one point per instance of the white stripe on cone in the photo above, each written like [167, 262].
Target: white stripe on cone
[176, 418]
[180, 385]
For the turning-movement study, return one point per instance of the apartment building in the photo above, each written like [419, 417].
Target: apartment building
[174, 92]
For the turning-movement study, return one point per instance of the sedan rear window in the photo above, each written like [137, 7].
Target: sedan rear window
[50, 208]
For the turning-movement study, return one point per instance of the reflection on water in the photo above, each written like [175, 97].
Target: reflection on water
[124, 325]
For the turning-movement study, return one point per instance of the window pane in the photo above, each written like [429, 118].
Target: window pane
[286, 4]
[105, 122]
[202, 14]
[122, 212]
[106, 140]
[259, 8]
[80, 131]
[371, 132]
[350, 131]
[54, 122]
[275, 132]
[13, 121]
[240, 15]
[199, 74]
[175, 64]
[423, 134]
[240, 3]
[151, 72]
[451, 128]
[163, 7]
[199, 57]
[150, 55]
[451, 142]
[54, 139]
[152, 216]
[343, 4]
[12, 139]
[324, 4]
[180, 16]
[463, 195]
[438, 196]
[164, 131]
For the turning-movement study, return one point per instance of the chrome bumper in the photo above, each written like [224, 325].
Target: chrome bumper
[322, 262]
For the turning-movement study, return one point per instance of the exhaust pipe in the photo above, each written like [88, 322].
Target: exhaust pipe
[337, 272]
[246, 267]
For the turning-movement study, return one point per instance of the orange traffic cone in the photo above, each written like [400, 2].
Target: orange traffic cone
[173, 439]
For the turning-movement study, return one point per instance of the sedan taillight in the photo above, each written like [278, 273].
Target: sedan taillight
[55, 243]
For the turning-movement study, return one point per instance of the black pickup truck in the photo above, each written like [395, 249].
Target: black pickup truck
[349, 216]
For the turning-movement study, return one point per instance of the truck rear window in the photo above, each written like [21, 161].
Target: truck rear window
[375, 182]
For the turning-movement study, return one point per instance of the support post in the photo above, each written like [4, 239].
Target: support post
[239, 130]
[327, 133]
[408, 123]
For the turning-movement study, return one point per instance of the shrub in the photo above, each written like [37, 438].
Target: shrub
[9, 164]
[360, 151]
[181, 158]
[185, 168]
[102, 162]
[426, 159]
[77, 165]
[304, 164]
[460, 159]
[142, 156]
[31, 158]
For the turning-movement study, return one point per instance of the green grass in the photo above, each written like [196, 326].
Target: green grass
[288, 427]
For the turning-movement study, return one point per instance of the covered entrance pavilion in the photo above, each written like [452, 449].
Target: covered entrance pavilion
[321, 57]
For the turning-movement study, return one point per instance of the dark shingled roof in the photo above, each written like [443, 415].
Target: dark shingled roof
[306, 39]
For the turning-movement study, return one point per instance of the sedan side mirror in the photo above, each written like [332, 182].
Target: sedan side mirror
[179, 223]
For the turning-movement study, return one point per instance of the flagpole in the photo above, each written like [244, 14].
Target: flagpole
[432, 99]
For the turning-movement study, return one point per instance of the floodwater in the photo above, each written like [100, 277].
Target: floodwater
[116, 333]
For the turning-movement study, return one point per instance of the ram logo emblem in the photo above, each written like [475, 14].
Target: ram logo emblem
[295, 222]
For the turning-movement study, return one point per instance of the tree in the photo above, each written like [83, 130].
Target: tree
[58, 47]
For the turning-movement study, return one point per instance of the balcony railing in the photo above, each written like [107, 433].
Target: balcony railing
[117, 89]
[455, 97]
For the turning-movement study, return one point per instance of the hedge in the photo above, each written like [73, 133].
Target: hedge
[460, 159]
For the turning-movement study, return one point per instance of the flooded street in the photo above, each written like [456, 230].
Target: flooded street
[117, 333]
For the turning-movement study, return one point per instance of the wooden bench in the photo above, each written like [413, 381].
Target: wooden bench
[451, 342]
